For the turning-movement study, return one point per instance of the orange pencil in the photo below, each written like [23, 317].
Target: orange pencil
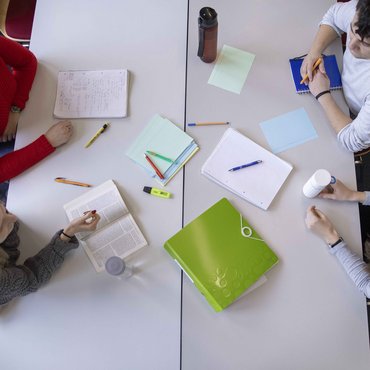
[317, 63]
[63, 180]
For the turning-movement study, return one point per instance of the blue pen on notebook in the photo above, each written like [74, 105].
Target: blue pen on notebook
[245, 165]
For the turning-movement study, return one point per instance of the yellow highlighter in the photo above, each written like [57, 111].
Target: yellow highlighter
[98, 133]
[157, 192]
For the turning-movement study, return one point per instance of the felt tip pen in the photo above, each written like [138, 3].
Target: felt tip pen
[154, 154]
[245, 165]
[159, 174]
[157, 192]
[98, 133]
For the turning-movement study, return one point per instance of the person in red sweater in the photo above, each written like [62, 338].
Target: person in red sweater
[17, 72]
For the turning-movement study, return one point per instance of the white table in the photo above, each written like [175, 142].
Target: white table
[307, 316]
[81, 319]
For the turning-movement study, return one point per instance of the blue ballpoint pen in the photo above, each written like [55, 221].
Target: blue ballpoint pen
[244, 166]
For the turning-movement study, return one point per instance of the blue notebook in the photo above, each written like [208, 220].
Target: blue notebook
[331, 67]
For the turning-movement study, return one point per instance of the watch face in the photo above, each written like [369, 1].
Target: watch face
[15, 109]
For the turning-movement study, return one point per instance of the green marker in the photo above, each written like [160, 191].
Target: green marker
[157, 192]
[159, 156]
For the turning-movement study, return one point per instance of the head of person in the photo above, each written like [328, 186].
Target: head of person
[7, 221]
[359, 36]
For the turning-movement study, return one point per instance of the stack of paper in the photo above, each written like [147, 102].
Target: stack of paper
[257, 184]
[165, 139]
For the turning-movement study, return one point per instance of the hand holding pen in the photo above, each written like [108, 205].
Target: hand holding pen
[87, 222]
[309, 64]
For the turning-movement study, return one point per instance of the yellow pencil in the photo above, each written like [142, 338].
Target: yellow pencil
[317, 63]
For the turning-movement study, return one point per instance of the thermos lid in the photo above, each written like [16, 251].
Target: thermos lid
[207, 16]
[115, 265]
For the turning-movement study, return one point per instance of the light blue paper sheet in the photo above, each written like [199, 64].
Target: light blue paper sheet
[288, 130]
[231, 69]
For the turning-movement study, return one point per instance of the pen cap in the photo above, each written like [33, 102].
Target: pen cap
[147, 189]
[316, 183]
[115, 266]
[208, 28]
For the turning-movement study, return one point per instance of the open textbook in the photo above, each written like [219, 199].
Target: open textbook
[117, 233]
[92, 94]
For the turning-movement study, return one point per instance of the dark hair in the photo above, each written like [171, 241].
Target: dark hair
[363, 21]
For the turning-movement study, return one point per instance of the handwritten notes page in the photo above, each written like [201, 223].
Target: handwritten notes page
[92, 94]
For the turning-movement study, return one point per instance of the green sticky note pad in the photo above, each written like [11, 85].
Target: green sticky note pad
[231, 69]
[160, 136]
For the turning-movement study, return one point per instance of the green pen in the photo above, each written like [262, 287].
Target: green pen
[157, 192]
[154, 154]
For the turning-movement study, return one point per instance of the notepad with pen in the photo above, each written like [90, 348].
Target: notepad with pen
[256, 184]
[331, 68]
[221, 253]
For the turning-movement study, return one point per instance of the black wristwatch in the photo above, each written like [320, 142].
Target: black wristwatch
[15, 109]
[335, 243]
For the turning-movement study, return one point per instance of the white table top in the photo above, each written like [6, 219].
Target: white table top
[308, 315]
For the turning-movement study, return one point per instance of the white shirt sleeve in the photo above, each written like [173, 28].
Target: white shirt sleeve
[339, 16]
[355, 267]
[366, 202]
[356, 135]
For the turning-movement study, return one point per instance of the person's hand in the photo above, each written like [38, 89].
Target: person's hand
[11, 127]
[320, 82]
[59, 133]
[339, 191]
[317, 222]
[87, 222]
[307, 65]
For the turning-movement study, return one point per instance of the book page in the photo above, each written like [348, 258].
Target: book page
[91, 94]
[120, 238]
[105, 199]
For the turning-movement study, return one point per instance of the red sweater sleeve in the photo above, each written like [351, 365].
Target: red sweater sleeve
[14, 163]
[23, 64]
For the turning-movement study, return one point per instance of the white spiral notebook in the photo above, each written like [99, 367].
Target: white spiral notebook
[257, 184]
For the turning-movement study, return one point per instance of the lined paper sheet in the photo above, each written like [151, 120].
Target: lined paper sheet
[92, 94]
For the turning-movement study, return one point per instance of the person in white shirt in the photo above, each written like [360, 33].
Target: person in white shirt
[352, 129]
[321, 225]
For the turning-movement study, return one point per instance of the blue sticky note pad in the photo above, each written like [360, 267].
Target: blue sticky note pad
[288, 130]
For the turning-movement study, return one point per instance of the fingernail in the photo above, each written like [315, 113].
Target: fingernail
[93, 212]
[86, 212]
